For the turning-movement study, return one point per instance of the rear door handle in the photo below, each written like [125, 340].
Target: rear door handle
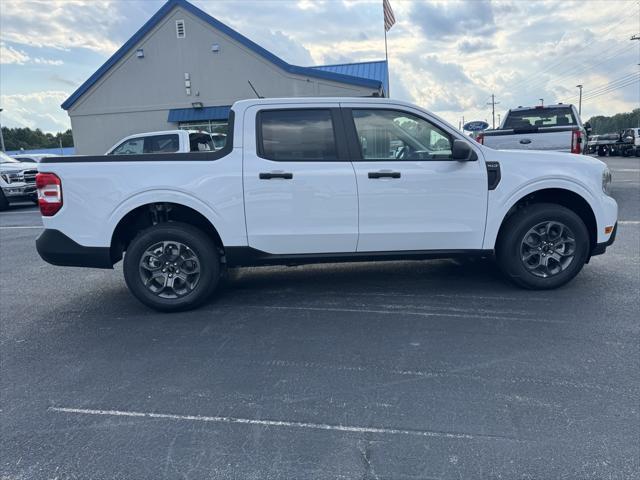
[270, 175]
[383, 174]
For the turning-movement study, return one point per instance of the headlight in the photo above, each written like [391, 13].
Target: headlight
[606, 181]
[12, 176]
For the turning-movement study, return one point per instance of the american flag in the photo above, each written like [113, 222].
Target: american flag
[389, 18]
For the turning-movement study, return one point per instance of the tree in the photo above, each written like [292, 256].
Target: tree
[614, 124]
[27, 139]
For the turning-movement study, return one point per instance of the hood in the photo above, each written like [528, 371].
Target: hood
[542, 156]
[20, 166]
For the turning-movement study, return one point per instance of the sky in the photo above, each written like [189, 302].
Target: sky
[446, 56]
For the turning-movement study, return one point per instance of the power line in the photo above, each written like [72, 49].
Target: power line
[563, 60]
[617, 87]
[605, 86]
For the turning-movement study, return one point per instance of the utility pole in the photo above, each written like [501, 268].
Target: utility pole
[1, 135]
[498, 119]
[580, 101]
[493, 104]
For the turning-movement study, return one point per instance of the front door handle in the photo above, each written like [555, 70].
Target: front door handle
[384, 174]
[270, 175]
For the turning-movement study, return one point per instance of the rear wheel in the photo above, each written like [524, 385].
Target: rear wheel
[543, 246]
[4, 204]
[172, 267]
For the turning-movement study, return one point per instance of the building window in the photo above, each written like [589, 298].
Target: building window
[180, 30]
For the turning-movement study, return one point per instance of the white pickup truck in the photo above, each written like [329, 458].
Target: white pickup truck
[323, 180]
[168, 141]
[552, 127]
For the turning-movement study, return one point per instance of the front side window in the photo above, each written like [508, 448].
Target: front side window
[162, 144]
[297, 135]
[133, 146]
[397, 135]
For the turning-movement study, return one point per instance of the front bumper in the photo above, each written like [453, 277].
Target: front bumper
[600, 248]
[20, 191]
[57, 249]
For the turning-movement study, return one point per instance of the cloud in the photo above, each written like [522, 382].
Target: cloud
[475, 46]
[444, 20]
[61, 24]
[10, 55]
[35, 110]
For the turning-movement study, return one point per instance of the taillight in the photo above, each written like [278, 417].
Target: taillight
[480, 138]
[576, 141]
[49, 193]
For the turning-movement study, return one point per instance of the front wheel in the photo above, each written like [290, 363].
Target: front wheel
[172, 267]
[542, 246]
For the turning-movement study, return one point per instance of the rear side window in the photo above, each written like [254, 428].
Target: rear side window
[296, 135]
[133, 146]
[162, 144]
[540, 117]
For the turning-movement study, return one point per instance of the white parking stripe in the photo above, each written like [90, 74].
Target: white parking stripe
[21, 212]
[280, 423]
[18, 227]
[629, 222]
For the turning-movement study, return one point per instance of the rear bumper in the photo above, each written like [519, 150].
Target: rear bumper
[600, 248]
[57, 249]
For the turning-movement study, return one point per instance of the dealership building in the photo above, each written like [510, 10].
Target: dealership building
[184, 69]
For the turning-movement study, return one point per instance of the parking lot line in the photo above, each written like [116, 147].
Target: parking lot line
[17, 227]
[405, 312]
[282, 423]
[20, 212]
[629, 222]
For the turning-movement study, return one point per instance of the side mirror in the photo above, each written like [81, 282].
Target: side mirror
[587, 127]
[462, 152]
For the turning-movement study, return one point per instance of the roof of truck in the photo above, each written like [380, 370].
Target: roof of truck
[541, 107]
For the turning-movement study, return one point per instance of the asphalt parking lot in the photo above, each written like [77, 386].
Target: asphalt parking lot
[398, 370]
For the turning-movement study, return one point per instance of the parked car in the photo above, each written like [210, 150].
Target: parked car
[32, 157]
[630, 142]
[17, 181]
[552, 127]
[317, 180]
[170, 141]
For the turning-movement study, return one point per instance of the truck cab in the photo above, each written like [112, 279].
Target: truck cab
[169, 141]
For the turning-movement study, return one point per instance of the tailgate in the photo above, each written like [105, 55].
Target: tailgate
[558, 140]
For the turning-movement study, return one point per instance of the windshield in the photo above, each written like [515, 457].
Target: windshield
[540, 117]
[4, 158]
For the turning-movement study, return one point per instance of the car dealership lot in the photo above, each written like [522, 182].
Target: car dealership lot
[434, 369]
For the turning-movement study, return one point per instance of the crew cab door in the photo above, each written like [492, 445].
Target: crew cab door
[412, 195]
[299, 187]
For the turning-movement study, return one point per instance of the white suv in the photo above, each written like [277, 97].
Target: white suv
[17, 181]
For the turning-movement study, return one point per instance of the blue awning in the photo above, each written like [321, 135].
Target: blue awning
[376, 70]
[177, 115]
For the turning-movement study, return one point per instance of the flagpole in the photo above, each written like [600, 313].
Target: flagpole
[386, 57]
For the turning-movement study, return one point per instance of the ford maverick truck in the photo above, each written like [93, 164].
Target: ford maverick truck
[323, 180]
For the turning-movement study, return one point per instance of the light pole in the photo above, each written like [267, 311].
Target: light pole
[541, 102]
[580, 101]
[1, 136]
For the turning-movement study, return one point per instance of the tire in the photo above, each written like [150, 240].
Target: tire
[520, 238]
[637, 152]
[602, 152]
[4, 204]
[151, 277]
